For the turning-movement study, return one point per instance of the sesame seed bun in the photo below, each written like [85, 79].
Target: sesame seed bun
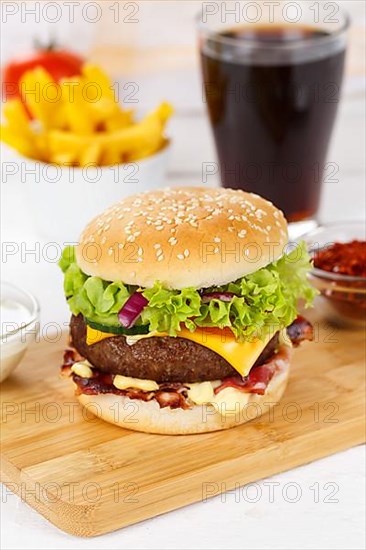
[187, 236]
[149, 417]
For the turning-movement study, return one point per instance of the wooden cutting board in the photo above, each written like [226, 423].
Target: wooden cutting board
[89, 477]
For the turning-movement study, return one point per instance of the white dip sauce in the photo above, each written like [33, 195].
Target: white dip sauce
[14, 336]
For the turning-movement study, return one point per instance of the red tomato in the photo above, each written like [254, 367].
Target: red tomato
[59, 63]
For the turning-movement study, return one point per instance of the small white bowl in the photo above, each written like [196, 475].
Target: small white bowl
[64, 199]
[19, 326]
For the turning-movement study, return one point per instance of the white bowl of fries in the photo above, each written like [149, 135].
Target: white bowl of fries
[64, 199]
[77, 155]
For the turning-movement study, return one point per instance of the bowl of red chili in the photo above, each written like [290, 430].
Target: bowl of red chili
[339, 271]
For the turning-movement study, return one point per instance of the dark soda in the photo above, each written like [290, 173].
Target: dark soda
[272, 112]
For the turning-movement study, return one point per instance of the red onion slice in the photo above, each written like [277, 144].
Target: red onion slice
[223, 296]
[132, 309]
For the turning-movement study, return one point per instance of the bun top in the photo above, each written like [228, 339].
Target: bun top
[182, 237]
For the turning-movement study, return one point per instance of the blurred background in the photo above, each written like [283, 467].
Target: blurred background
[150, 47]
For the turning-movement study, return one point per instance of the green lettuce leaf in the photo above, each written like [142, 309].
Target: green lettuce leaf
[266, 299]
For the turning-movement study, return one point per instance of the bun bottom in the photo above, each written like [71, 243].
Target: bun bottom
[149, 417]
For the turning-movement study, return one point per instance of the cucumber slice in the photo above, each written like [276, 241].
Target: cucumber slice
[142, 329]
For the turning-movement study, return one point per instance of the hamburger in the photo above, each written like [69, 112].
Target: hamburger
[184, 310]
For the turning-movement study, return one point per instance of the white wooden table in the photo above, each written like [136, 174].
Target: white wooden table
[254, 518]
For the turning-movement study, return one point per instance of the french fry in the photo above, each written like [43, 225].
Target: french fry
[21, 143]
[72, 128]
[164, 111]
[60, 120]
[63, 159]
[90, 155]
[78, 121]
[120, 119]
[77, 112]
[67, 143]
[40, 141]
[34, 90]
[16, 116]
[110, 156]
[103, 110]
[18, 133]
[147, 135]
[94, 75]
[107, 110]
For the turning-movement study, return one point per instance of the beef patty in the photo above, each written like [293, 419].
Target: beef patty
[160, 358]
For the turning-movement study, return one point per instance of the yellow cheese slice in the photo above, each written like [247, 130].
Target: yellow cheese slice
[240, 355]
[94, 336]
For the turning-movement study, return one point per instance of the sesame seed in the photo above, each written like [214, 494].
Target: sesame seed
[180, 256]
[157, 245]
[260, 213]
[160, 258]
[217, 240]
[186, 253]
